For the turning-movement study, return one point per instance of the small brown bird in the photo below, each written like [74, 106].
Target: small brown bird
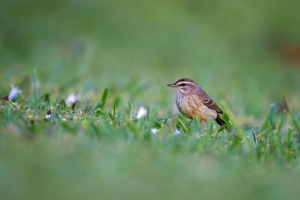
[192, 101]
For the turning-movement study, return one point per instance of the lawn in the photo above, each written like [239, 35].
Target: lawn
[85, 71]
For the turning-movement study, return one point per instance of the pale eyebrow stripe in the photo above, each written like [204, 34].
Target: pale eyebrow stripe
[187, 83]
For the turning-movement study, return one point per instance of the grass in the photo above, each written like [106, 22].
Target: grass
[117, 57]
[104, 152]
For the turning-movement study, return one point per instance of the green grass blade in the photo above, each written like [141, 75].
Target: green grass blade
[210, 127]
[131, 111]
[9, 114]
[248, 147]
[289, 135]
[254, 137]
[103, 99]
[296, 123]
[101, 103]
[273, 108]
[184, 128]
[130, 105]
[227, 110]
[252, 130]
[35, 86]
[283, 120]
[100, 111]
[278, 134]
[97, 106]
[196, 126]
[114, 111]
[133, 128]
[221, 128]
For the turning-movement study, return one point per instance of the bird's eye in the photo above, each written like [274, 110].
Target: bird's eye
[183, 84]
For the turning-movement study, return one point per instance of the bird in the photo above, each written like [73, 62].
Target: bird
[193, 101]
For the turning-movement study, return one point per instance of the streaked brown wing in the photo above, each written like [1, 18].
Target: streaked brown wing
[207, 101]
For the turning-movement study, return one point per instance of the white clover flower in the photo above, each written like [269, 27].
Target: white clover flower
[154, 131]
[13, 92]
[71, 99]
[141, 113]
[48, 116]
[176, 132]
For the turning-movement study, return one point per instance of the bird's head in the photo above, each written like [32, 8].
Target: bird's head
[185, 86]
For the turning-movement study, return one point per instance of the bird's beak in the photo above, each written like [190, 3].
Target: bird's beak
[171, 85]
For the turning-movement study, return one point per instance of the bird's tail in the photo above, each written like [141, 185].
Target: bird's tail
[220, 121]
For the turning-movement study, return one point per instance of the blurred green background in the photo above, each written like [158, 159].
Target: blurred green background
[237, 50]
[244, 52]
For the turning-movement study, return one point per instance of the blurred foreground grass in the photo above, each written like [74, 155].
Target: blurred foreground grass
[240, 52]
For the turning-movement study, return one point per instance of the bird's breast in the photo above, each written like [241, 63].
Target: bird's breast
[191, 106]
